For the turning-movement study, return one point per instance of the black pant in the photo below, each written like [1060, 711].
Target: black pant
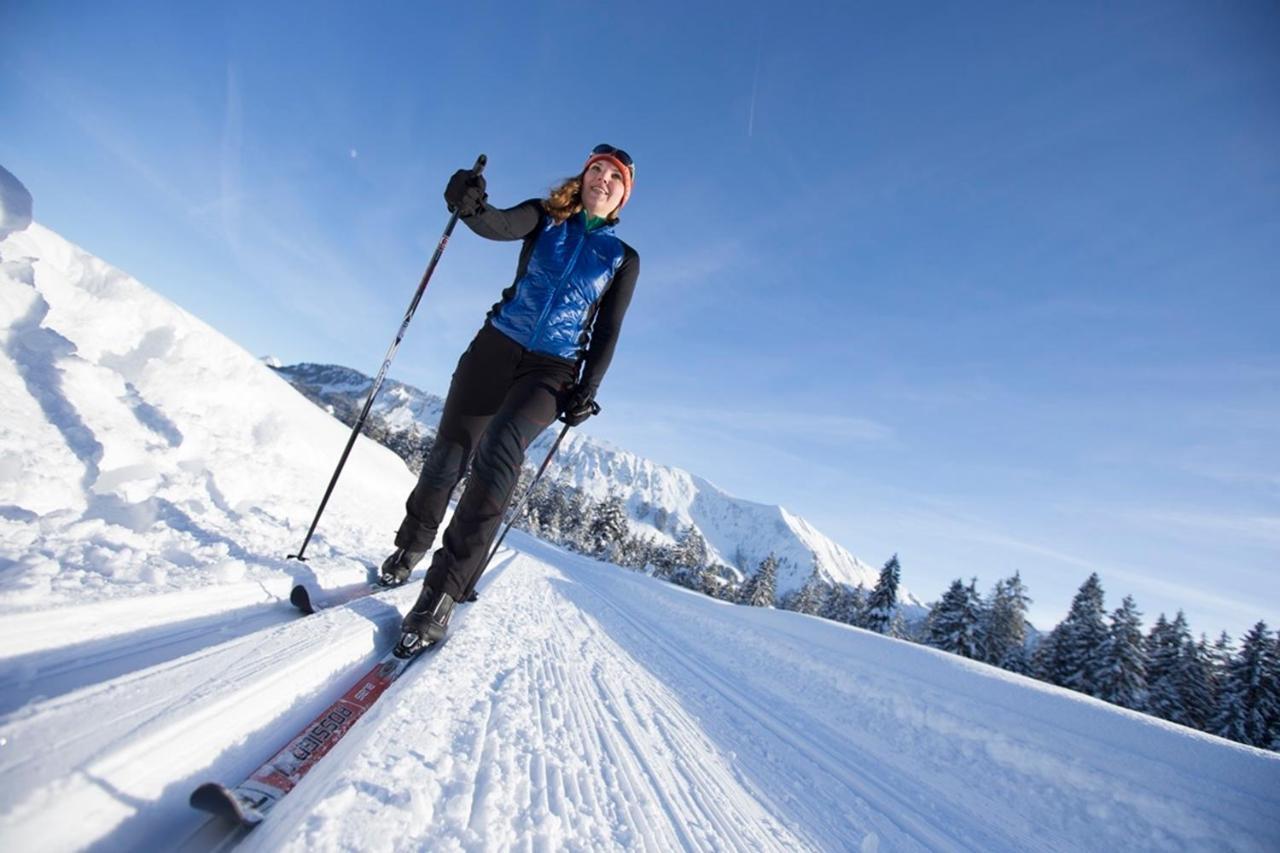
[501, 397]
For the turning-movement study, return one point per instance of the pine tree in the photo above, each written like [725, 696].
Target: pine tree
[639, 550]
[577, 522]
[691, 549]
[1165, 668]
[1046, 661]
[714, 581]
[760, 590]
[550, 507]
[1005, 631]
[662, 557]
[1084, 633]
[1249, 707]
[833, 604]
[811, 596]
[1195, 683]
[609, 526]
[953, 623]
[1123, 680]
[1220, 654]
[845, 603]
[882, 606]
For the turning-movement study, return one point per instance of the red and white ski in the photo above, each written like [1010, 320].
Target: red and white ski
[248, 802]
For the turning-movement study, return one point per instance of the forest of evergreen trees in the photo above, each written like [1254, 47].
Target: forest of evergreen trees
[1218, 687]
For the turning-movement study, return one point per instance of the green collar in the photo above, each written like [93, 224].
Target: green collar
[594, 222]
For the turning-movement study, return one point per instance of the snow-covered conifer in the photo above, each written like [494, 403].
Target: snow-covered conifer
[1005, 629]
[845, 603]
[1123, 680]
[609, 526]
[691, 549]
[1165, 665]
[1046, 662]
[1219, 657]
[1195, 683]
[759, 590]
[812, 595]
[1083, 637]
[1249, 706]
[715, 580]
[662, 557]
[954, 621]
[883, 603]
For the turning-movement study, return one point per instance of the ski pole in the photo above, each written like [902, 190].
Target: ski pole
[386, 363]
[595, 410]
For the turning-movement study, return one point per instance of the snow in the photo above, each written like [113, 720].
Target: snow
[153, 475]
[143, 452]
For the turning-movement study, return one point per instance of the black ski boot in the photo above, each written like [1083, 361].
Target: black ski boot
[426, 623]
[397, 568]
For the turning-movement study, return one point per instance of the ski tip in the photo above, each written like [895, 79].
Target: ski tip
[221, 801]
[300, 597]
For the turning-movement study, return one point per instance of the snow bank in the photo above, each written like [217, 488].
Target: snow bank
[142, 452]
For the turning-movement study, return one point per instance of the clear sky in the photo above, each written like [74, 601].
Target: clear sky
[993, 286]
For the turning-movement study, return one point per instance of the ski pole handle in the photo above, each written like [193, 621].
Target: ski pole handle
[476, 170]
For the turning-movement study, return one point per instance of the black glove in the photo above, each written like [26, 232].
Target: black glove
[465, 194]
[579, 406]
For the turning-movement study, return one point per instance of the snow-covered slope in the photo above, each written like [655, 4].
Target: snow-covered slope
[153, 473]
[661, 499]
[143, 452]
[579, 706]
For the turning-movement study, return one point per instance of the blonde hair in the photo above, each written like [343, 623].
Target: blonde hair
[565, 200]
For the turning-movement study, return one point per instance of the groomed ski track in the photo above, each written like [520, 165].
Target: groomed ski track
[579, 706]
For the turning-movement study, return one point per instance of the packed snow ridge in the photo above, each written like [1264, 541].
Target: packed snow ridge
[153, 475]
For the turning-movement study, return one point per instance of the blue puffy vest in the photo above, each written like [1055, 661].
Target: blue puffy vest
[555, 299]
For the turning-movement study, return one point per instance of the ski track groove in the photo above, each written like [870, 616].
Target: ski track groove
[145, 712]
[1050, 767]
[615, 721]
[882, 797]
[142, 722]
[484, 751]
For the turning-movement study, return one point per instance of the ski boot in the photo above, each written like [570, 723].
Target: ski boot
[426, 623]
[397, 568]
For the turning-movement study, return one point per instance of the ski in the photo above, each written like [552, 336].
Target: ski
[302, 597]
[248, 803]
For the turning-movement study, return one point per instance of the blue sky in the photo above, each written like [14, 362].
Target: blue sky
[992, 286]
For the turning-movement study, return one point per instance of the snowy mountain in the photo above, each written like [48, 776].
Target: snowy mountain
[661, 499]
[153, 475]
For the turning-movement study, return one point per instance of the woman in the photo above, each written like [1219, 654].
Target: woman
[542, 352]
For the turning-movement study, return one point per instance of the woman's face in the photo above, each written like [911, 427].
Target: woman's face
[602, 188]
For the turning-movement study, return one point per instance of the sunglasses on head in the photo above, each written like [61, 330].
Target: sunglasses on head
[623, 157]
